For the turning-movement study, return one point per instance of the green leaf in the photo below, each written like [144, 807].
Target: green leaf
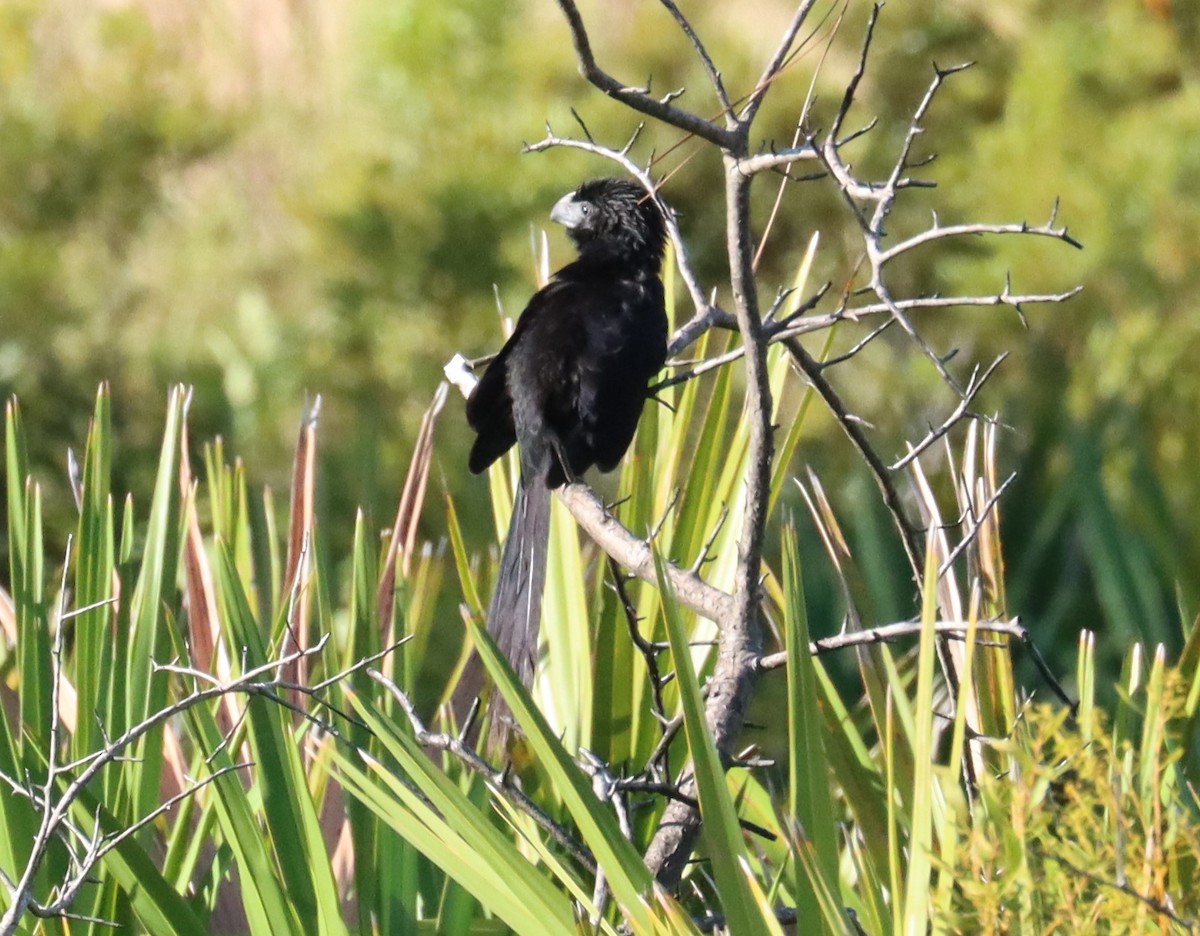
[722, 832]
[292, 819]
[920, 866]
[148, 641]
[94, 561]
[444, 825]
[810, 804]
[269, 910]
[626, 873]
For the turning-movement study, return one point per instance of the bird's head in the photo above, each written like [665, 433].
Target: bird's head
[613, 216]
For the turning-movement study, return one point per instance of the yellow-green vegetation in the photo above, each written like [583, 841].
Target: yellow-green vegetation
[1096, 826]
[276, 201]
[270, 202]
[174, 644]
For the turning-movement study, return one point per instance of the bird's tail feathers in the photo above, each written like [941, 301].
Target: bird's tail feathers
[515, 612]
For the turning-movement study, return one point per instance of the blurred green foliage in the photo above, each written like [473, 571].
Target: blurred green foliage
[280, 201]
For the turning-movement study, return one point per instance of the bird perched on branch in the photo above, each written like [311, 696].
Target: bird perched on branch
[568, 388]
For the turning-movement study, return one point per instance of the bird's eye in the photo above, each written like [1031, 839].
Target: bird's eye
[586, 209]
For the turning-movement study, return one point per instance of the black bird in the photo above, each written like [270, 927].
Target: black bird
[568, 387]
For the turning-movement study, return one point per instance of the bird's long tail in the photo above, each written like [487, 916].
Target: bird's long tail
[515, 613]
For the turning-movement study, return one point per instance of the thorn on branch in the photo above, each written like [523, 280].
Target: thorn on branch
[582, 126]
[637, 131]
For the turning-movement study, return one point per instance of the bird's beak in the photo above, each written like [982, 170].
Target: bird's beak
[567, 212]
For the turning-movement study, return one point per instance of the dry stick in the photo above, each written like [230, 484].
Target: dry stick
[909, 534]
[794, 326]
[634, 554]
[648, 649]
[638, 98]
[946, 629]
[1157, 906]
[977, 523]
[55, 804]
[498, 779]
[962, 411]
[674, 793]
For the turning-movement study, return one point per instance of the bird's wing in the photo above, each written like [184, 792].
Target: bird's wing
[626, 332]
[490, 405]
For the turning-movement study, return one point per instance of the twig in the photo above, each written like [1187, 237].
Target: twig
[909, 536]
[960, 412]
[498, 779]
[633, 553]
[1125, 888]
[648, 649]
[952, 629]
[637, 98]
[56, 798]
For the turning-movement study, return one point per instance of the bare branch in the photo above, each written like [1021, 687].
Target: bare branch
[497, 779]
[977, 523]
[779, 159]
[1124, 887]
[776, 64]
[637, 98]
[960, 412]
[646, 648]
[714, 76]
[733, 678]
[634, 554]
[940, 232]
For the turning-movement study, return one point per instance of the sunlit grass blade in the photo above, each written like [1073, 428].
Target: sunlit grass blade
[722, 831]
[444, 825]
[951, 780]
[810, 805]
[363, 640]
[296, 831]
[627, 875]
[269, 910]
[93, 567]
[32, 613]
[920, 869]
[566, 681]
[149, 642]
[1085, 678]
[17, 821]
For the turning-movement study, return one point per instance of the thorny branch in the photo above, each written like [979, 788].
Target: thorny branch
[639, 99]
[870, 202]
[647, 648]
[58, 795]
[498, 779]
[909, 535]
